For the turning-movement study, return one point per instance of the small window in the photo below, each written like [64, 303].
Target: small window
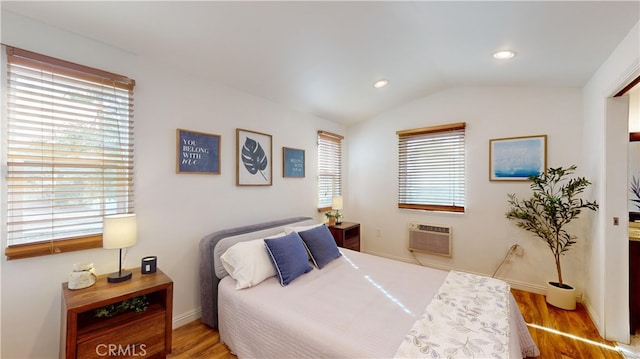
[431, 168]
[69, 153]
[329, 169]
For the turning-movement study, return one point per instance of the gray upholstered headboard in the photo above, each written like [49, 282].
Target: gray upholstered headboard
[213, 245]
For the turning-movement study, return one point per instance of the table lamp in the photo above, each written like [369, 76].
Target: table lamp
[119, 231]
[336, 204]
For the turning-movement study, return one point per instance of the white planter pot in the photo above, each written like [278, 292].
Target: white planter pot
[564, 298]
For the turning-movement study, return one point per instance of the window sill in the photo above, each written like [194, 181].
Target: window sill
[53, 247]
[430, 207]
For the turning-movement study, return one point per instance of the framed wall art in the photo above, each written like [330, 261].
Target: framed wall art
[197, 152]
[253, 158]
[517, 158]
[292, 162]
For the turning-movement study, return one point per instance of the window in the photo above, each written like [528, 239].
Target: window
[329, 168]
[69, 153]
[431, 168]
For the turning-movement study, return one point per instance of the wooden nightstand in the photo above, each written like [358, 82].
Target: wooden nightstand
[126, 335]
[347, 235]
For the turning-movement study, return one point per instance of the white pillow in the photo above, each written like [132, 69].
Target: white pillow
[288, 230]
[248, 263]
[281, 234]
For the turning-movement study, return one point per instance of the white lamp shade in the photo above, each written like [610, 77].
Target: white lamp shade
[119, 231]
[336, 203]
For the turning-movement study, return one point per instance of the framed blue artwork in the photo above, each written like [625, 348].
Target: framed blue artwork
[253, 158]
[197, 152]
[293, 162]
[517, 158]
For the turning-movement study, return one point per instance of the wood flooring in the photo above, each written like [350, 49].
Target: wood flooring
[197, 340]
[558, 333]
[562, 333]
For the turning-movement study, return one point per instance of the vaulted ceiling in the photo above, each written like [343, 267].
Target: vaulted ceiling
[322, 58]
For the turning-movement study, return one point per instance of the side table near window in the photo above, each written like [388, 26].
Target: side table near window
[128, 334]
[347, 235]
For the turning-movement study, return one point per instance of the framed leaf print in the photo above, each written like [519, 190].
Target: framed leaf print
[253, 158]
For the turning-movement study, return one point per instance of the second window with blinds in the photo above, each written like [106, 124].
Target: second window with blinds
[431, 168]
[329, 169]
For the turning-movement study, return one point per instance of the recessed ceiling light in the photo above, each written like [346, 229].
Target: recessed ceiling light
[380, 83]
[503, 54]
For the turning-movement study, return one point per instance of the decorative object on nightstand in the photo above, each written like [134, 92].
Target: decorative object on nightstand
[336, 204]
[119, 231]
[137, 304]
[331, 218]
[149, 264]
[83, 276]
[347, 235]
[134, 316]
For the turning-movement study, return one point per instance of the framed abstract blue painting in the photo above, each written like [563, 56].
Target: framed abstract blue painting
[517, 158]
[293, 162]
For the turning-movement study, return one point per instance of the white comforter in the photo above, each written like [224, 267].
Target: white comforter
[358, 306]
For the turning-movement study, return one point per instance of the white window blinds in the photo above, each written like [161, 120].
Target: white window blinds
[431, 172]
[329, 168]
[69, 148]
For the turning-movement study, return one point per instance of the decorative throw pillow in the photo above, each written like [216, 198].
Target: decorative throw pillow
[248, 263]
[289, 257]
[321, 245]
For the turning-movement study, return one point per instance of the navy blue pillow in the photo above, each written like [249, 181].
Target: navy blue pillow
[289, 257]
[321, 245]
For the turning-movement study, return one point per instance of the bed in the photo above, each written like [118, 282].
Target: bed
[355, 305]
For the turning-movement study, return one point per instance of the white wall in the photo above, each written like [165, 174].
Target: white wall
[605, 145]
[633, 160]
[174, 210]
[634, 110]
[482, 235]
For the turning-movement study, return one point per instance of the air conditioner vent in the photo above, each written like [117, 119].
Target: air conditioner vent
[432, 228]
[430, 238]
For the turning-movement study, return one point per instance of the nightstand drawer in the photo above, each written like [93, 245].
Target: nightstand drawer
[137, 340]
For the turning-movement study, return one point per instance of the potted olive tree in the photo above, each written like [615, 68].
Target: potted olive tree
[555, 202]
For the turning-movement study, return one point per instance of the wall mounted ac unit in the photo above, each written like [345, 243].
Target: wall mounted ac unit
[429, 238]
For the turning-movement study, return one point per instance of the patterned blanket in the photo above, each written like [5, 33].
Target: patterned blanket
[467, 318]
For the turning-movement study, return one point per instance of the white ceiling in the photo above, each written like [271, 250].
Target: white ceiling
[323, 57]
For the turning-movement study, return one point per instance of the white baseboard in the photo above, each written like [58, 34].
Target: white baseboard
[528, 287]
[185, 318]
[594, 317]
[402, 259]
[533, 288]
